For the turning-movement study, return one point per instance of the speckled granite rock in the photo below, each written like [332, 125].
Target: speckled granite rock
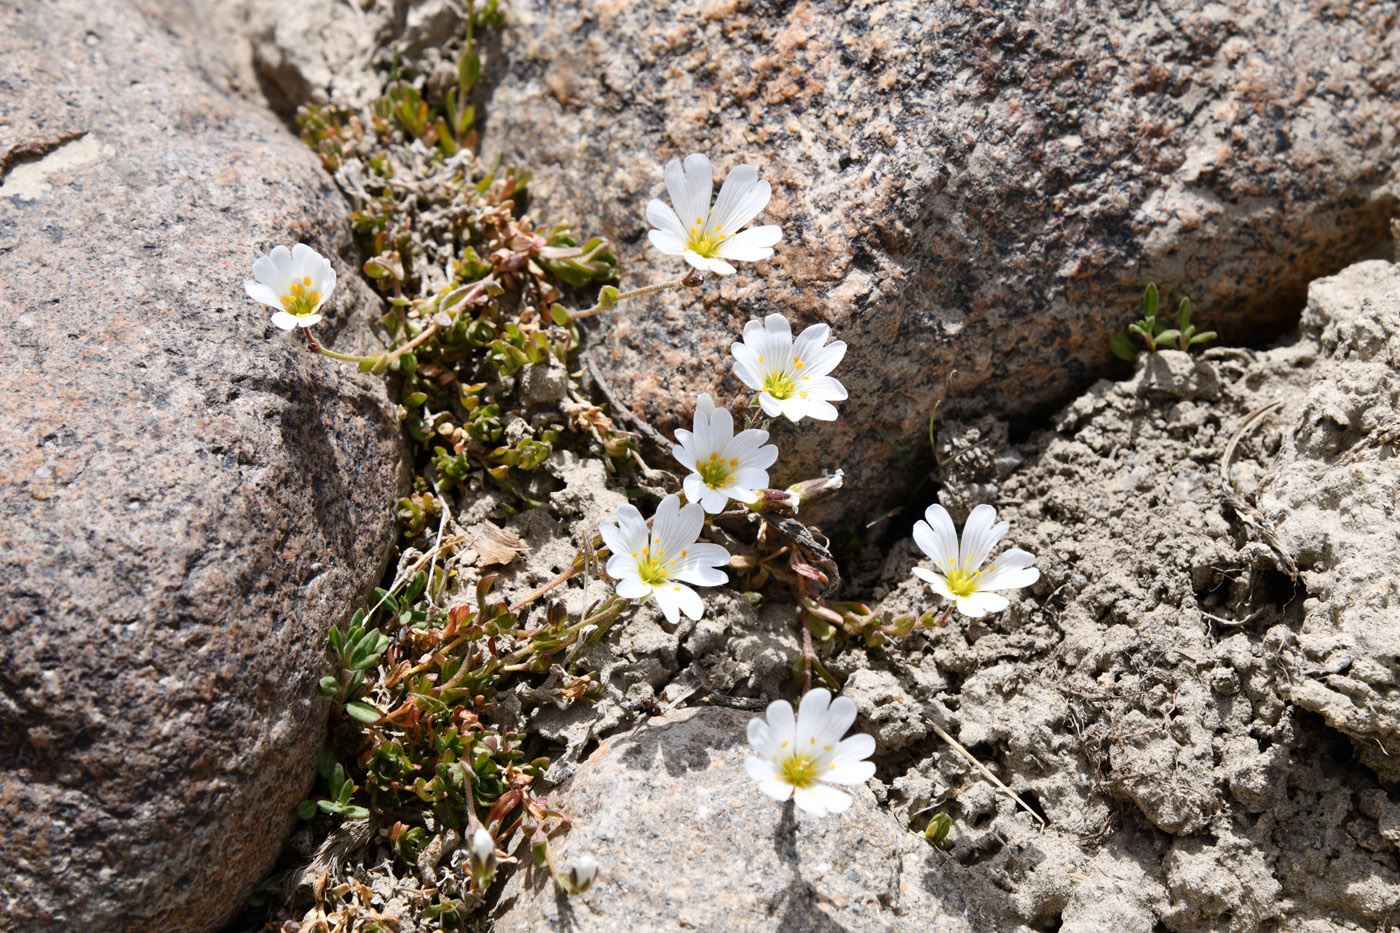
[974, 186]
[187, 501]
[1334, 494]
[686, 841]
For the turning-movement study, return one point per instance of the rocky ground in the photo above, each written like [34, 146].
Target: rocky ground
[1191, 722]
[1195, 703]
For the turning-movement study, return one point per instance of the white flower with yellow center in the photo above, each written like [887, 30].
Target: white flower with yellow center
[723, 465]
[804, 757]
[661, 561]
[790, 376]
[296, 282]
[706, 236]
[957, 572]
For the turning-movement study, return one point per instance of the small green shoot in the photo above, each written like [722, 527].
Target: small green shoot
[1155, 333]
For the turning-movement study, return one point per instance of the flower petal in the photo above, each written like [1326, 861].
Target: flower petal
[689, 186]
[712, 501]
[981, 603]
[632, 527]
[615, 540]
[781, 722]
[812, 715]
[980, 535]
[666, 243]
[839, 717]
[761, 741]
[265, 271]
[1011, 570]
[668, 600]
[695, 489]
[632, 587]
[846, 771]
[824, 359]
[937, 537]
[741, 197]
[758, 769]
[821, 799]
[717, 266]
[285, 321]
[775, 788]
[750, 245]
[262, 294]
[282, 260]
[664, 219]
[823, 388]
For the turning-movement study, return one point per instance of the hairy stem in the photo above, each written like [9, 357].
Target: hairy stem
[634, 293]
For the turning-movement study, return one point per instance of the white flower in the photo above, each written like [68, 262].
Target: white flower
[722, 466]
[482, 857]
[296, 282]
[958, 574]
[659, 563]
[580, 878]
[803, 757]
[708, 237]
[790, 375]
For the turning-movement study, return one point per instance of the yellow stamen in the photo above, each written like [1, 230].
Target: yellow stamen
[779, 385]
[798, 770]
[961, 583]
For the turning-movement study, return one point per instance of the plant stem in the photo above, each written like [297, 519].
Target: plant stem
[634, 293]
[808, 652]
[314, 346]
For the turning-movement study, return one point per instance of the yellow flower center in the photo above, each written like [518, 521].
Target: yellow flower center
[302, 301]
[654, 570]
[798, 770]
[718, 473]
[961, 583]
[779, 385]
[704, 242]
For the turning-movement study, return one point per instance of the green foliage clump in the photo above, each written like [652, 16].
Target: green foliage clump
[1156, 333]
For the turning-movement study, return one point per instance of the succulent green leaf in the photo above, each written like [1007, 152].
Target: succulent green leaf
[1149, 302]
[1122, 347]
[362, 712]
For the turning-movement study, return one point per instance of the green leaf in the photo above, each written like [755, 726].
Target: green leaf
[306, 809]
[1183, 313]
[354, 813]
[362, 712]
[1204, 336]
[328, 686]
[1167, 336]
[560, 315]
[1122, 347]
[607, 296]
[468, 70]
[1149, 302]
[415, 588]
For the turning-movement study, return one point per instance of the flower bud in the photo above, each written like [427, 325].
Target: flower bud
[482, 858]
[580, 877]
[813, 489]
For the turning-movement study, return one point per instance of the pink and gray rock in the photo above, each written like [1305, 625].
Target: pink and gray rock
[973, 187]
[187, 500]
[686, 842]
